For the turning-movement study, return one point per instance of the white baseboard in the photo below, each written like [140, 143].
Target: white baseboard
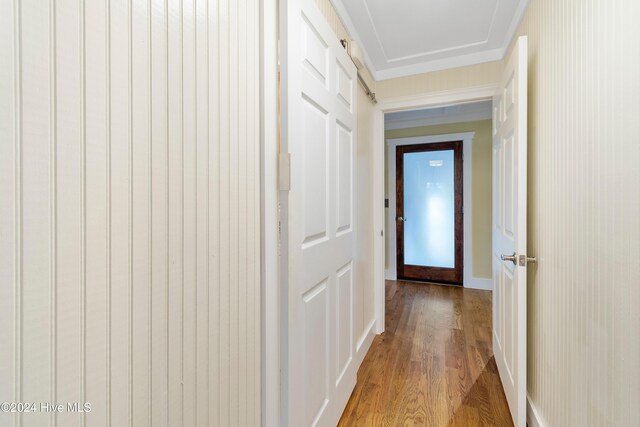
[472, 283]
[534, 419]
[479, 283]
[364, 343]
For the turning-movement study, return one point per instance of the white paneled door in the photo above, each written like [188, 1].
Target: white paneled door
[318, 131]
[510, 230]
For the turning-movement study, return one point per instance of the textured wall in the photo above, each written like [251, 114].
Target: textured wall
[584, 211]
[129, 214]
[333, 19]
[365, 234]
[481, 184]
[456, 78]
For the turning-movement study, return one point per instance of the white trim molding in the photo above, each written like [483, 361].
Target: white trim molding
[414, 102]
[270, 285]
[479, 283]
[439, 116]
[467, 165]
[437, 99]
[441, 64]
[461, 60]
[534, 418]
[364, 342]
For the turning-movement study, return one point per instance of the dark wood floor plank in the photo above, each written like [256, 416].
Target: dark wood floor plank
[433, 366]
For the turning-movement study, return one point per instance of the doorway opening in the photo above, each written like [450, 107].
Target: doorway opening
[447, 236]
[423, 155]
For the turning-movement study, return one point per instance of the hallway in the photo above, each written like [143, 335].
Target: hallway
[433, 366]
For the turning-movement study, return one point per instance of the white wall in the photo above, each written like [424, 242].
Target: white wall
[129, 214]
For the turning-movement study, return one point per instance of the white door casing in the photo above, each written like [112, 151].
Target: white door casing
[509, 230]
[319, 132]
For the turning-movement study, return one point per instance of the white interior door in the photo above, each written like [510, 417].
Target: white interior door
[510, 230]
[319, 132]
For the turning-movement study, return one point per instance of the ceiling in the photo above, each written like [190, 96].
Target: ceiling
[404, 37]
[434, 116]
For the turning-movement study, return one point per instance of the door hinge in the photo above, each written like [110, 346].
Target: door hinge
[284, 172]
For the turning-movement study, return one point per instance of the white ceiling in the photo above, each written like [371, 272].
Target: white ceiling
[404, 37]
[436, 116]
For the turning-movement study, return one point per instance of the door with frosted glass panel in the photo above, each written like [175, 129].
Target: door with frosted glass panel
[429, 212]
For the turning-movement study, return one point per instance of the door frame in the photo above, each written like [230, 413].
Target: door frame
[270, 292]
[391, 272]
[390, 105]
[460, 225]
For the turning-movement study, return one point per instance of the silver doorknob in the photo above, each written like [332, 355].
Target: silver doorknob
[401, 219]
[513, 258]
[524, 260]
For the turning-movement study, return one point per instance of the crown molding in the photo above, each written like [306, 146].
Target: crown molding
[440, 64]
[441, 98]
[481, 113]
[497, 54]
[515, 23]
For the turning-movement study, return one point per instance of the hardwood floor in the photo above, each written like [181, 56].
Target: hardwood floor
[433, 366]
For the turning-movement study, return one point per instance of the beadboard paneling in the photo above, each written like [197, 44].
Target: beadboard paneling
[129, 222]
[584, 211]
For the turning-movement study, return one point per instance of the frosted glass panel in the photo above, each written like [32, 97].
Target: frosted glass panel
[429, 204]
